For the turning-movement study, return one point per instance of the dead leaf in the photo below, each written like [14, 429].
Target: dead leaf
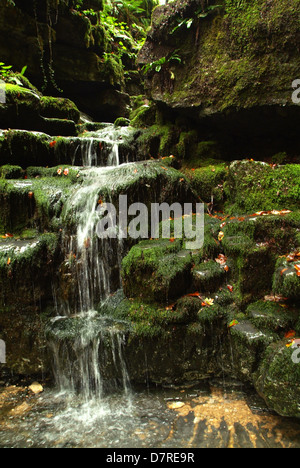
[233, 323]
[221, 259]
[221, 236]
[290, 334]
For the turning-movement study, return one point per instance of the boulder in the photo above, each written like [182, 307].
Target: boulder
[278, 379]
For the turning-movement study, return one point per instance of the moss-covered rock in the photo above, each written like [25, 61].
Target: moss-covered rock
[60, 108]
[156, 271]
[24, 148]
[229, 78]
[272, 317]
[11, 172]
[21, 107]
[208, 277]
[208, 182]
[17, 206]
[252, 186]
[248, 344]
[278, 379]
[73, 54]
[26, 108]
[286, 281]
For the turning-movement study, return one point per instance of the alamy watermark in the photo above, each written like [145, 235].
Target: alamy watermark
[160, 221]
[2, 92]
[296, 352]
[296, 93]
[2, 352]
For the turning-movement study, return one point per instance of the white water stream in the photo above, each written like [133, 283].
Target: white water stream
[81, 359]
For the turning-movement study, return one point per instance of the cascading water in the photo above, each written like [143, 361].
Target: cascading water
[87, 349]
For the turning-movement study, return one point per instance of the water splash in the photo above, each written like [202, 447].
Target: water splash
[87, 352]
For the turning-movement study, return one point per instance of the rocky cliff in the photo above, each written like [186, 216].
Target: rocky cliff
[64, 50]
[228, 66]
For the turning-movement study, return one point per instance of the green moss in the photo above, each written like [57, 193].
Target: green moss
[60, 108]
[156, 270]
[208, 182]
[255, 186]
[112, 69]
[213, 317]
[158, 140]
[22, 270]
[24, 148]
[122, 122]
[277, 380]
[278, 232]
[16, 206]
[237, 245]
[11, 172]
[208, 277]
[235, 63]
[18, 94]
[271, 316]
[285, 280]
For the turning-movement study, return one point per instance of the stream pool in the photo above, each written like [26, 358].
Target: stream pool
[212, 415]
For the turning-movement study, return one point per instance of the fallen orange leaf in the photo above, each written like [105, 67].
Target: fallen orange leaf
[170, 307]
[233, 323]
[195, 294]
[290, 334]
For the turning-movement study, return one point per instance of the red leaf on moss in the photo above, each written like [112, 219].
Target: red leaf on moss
[290, 334]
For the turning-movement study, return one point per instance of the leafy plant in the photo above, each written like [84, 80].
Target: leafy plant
[5, 70]
[199, 14]
[157, 65]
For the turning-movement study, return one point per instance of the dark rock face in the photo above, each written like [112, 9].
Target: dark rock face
[62, 49]
[234, 70]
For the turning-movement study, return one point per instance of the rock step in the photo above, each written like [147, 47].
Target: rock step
[109, 146]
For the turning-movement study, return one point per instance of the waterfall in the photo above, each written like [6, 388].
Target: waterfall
[87, 348]
[87, 352]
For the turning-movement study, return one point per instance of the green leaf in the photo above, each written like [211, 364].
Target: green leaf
[23, 71]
